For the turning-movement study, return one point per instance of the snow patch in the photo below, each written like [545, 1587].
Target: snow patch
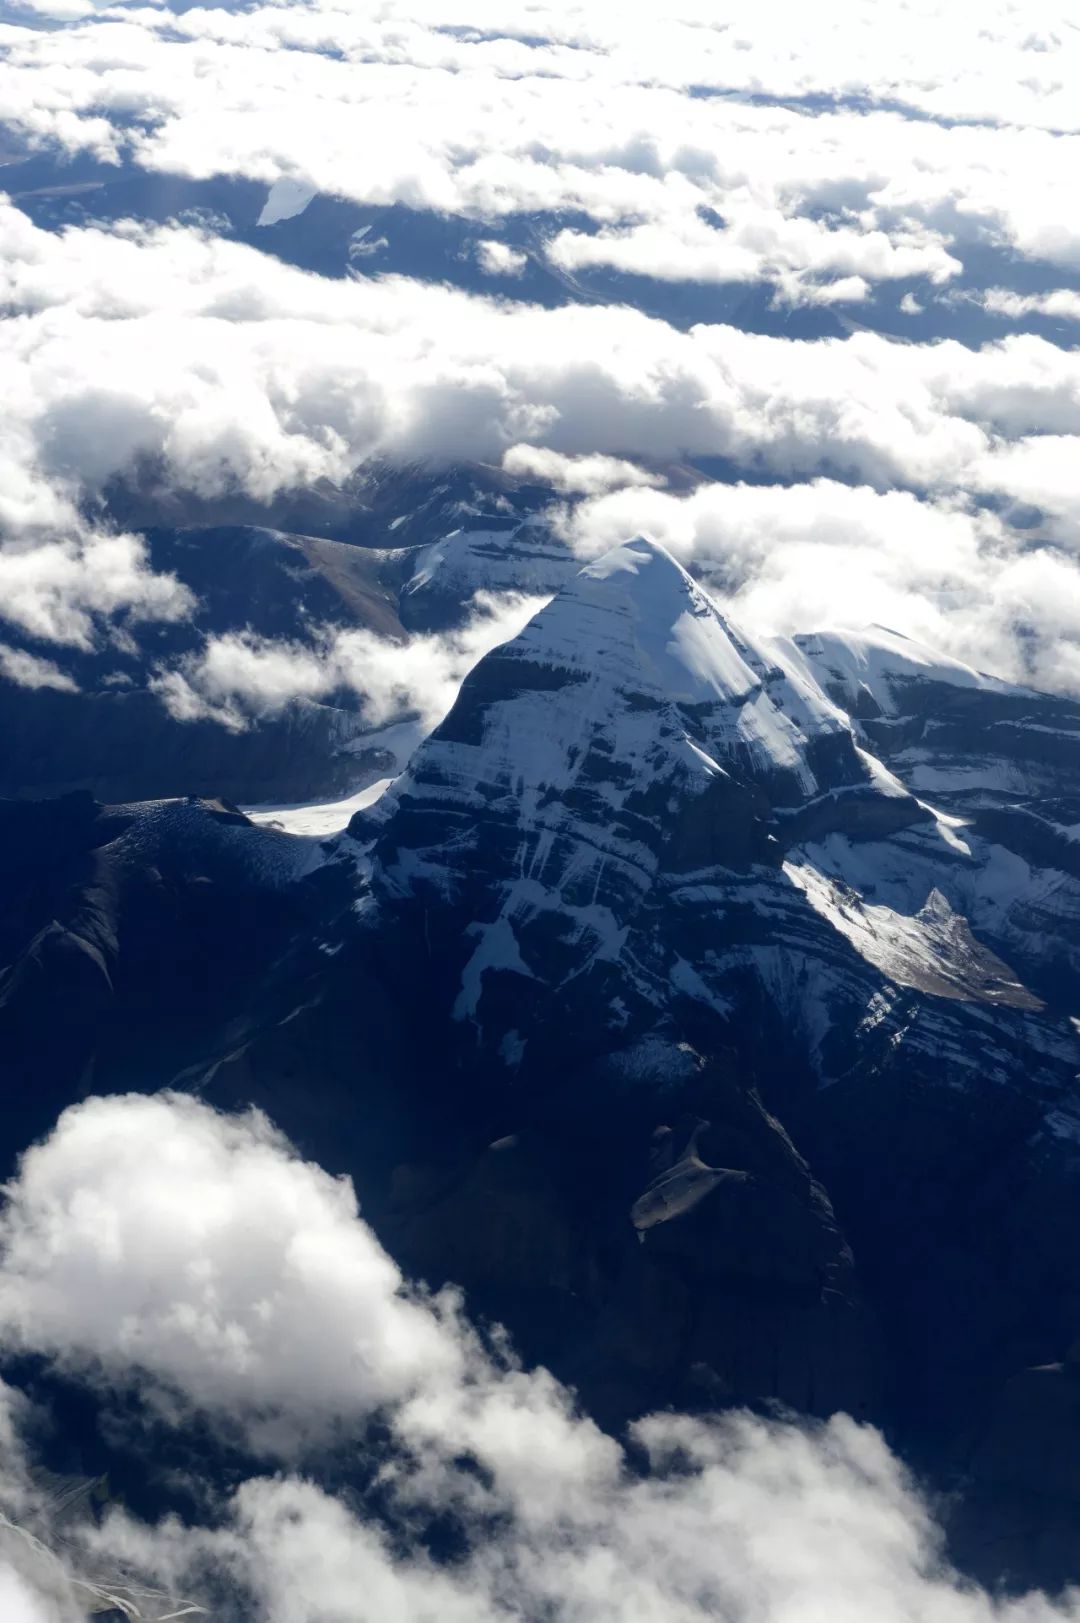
[317, 817]
[932, 949]
[496, 948]
[286, 199]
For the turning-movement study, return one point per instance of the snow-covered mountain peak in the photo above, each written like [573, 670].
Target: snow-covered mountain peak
[629, 687]
[640, 825]
[629, 735]
[664, 619]
[634, 620]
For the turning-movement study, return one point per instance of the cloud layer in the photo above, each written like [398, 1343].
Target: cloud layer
[861, 146]
[236, 370]
[228, 370]
[875, 163]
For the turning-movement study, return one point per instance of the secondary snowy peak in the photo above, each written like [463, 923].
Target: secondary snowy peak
[1001, 763]
[444, 578]
[868, 671]
[1003, 757]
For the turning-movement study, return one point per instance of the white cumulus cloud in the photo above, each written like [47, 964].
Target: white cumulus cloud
[27, 670]
[578, 475]
[150, 1235]
[499, 259]
[238, 676]
[881, 139]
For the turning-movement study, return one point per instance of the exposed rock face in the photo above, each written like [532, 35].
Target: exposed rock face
[121, 744]
[132, 938]
[647, 1273]
[1017, 1514]
[736, 1232]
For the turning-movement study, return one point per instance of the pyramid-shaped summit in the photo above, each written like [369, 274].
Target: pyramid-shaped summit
[615, 798]
[629, 729]
[635, 615]
[630, 679]
[635, 619]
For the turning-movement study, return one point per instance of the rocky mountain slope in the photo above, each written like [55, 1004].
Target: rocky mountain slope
[702, 1003]
[635, 794]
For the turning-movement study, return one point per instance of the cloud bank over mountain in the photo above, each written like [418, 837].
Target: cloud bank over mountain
[223, 369]
[878, 165]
